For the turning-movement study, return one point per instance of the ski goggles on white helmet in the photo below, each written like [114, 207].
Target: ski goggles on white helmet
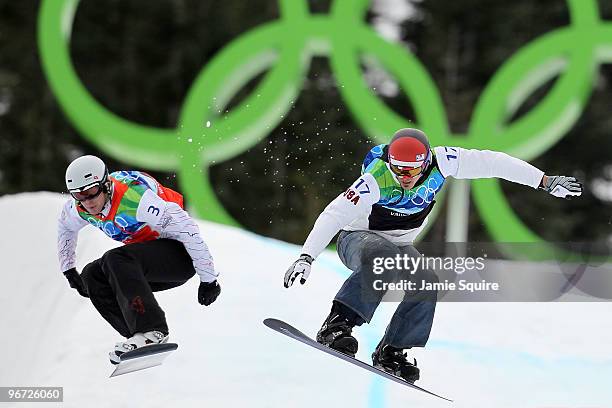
[88, 193]
[86, 178]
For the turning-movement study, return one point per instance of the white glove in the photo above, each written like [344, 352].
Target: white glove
[299, 267]
[563, 187]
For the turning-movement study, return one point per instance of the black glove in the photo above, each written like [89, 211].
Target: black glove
[74, 279]
[208, 292]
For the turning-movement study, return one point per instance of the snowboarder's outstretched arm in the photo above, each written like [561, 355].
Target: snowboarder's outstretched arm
[172, 222]
[355, 201]
[462, 163]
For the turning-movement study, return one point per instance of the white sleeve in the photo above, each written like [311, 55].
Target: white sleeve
[351, 204]
[475, 164]
[68, 226]
[171, 221]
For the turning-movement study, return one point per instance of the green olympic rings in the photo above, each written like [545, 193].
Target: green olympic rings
[206, 134]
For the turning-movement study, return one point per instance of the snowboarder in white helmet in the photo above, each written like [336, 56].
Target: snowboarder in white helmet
[379, 216]
[87, 181]
[163, 249]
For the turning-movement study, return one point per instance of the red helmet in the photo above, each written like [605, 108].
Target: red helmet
[408, 153]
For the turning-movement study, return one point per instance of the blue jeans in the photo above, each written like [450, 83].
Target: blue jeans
[412, 321]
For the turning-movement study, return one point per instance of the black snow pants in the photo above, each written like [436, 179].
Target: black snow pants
[122, 282]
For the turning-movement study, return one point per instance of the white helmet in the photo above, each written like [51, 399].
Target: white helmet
[85, 172]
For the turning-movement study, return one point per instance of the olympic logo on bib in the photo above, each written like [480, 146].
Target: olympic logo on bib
[426, 192]
[284, 48]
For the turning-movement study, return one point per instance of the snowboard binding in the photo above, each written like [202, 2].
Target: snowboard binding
[336, 332]
[393, 361]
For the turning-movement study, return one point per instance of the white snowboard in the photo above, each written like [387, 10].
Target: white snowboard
[144, 357]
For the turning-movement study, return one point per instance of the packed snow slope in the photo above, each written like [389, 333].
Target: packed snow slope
[480, 354]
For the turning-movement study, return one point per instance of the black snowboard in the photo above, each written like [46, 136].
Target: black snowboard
[294, 333]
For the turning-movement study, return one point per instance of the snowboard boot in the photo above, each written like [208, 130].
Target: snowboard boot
[136, 341]
[336, 333]
[393, 361]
